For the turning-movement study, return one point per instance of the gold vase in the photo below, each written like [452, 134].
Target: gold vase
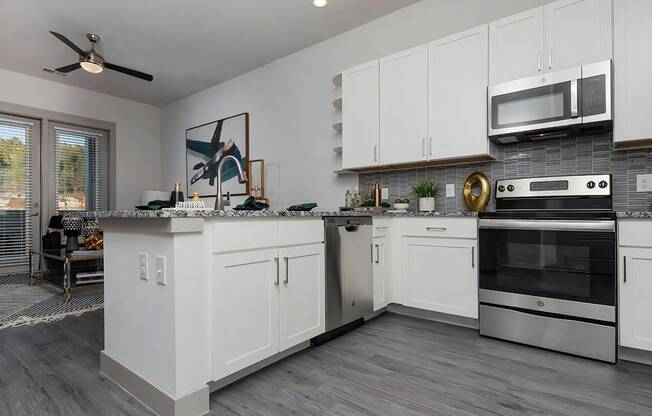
[477, 203]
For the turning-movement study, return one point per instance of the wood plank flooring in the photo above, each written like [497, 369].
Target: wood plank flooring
[393, 365]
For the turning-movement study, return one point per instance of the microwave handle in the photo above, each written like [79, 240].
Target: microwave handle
[574, 98]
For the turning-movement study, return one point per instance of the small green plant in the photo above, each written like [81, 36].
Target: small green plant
[401, 201]
[425, 189]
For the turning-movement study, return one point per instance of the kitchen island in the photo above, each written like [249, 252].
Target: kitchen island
[197, 299]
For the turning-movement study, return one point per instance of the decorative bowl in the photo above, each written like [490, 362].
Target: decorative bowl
[401, 207]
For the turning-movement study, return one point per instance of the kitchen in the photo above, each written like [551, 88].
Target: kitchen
[502, 168]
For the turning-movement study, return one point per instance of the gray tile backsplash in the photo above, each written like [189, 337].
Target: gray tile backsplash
[570, 156]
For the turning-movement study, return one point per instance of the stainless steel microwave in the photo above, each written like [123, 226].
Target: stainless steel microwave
[550, 105]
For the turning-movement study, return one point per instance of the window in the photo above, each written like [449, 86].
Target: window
[80, 169]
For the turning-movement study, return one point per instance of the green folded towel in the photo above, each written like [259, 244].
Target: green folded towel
[303, 207]
[250, 204]
[154, 205]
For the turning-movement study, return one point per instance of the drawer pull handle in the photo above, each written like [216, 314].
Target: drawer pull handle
[381, 228]
[436, 228]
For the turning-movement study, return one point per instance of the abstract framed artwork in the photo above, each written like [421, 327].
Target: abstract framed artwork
[206, 145]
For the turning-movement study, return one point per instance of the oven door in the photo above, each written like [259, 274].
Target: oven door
[538, 103]
[551, 266]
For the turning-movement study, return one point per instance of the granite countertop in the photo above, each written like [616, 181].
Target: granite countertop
[634, 214]
[209, 213]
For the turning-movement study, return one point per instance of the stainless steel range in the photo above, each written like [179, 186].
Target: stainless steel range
[548, 265]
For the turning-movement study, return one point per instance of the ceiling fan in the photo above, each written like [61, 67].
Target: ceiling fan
[92, 61]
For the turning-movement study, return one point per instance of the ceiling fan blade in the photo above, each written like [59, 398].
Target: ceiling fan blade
[132, 72]
[68, 68]
[69, 43]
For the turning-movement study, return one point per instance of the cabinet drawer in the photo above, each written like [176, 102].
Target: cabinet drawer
[300, 231]
[236, 235]
[381, 227]
[635, 232]
[440, 227]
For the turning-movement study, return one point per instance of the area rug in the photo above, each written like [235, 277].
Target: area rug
[29, 305]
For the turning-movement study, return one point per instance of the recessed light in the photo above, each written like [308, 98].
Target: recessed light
[320, 3]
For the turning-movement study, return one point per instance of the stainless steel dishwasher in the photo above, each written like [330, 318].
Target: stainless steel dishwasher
[349, 271]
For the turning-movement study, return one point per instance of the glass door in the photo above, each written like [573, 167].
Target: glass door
[569, 265]
[20, 203]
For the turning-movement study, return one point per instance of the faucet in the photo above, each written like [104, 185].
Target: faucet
[242, 178]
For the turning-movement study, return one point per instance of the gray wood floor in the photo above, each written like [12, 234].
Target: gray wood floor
[393, 365]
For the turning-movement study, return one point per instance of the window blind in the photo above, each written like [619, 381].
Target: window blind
[79, 169]
[15, 192]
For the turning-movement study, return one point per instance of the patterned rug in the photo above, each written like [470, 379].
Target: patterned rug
[29, 305]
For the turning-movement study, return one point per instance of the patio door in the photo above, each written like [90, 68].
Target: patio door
[20, 204]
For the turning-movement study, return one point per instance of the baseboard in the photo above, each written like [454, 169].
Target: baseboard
[219, 384]
[195, 403]
[433, 316]
[635, 355]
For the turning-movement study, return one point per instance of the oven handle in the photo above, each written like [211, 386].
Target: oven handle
[549, 225]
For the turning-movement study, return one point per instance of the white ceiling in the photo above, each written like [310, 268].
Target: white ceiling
[187, 45]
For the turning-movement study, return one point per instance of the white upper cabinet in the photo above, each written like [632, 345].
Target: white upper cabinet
[578, 32]
[458, 74]
[559, 35]
[404, 106]
[632, 63]
[516, 46]
[360, 106]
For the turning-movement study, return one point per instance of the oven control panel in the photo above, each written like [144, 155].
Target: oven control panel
[555, 186]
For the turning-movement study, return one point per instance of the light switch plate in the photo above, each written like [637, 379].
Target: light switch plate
[143, 273]
[450, 190]
[643, 183]
[384, 193]
[161, 276]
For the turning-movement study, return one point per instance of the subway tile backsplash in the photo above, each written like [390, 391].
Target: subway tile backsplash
[569, 156]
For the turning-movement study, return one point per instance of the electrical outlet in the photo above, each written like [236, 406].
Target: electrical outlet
[450, 190]
[384, 193]
[161, 277]
[142, 266]
[643, 183]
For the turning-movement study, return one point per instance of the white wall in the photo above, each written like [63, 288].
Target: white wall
[138, 145]
[290, 99]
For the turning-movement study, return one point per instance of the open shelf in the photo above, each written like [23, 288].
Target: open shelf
[337, 80]
[337, 103]
[337, 126]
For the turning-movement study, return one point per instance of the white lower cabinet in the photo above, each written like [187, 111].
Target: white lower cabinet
[635, 291]
[440, 274]
[302, 286]
[246, 308]
[381, 272]
[264, 302]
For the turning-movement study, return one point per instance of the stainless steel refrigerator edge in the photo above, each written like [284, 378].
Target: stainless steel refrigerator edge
[349, 269]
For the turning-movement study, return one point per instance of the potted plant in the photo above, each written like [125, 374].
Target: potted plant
[401, 204]
[426, 191]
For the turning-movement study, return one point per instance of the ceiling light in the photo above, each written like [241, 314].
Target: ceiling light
[320, 3]
[92, 67]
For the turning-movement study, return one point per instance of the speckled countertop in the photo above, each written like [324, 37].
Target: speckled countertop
[209, 213]
[634, 214]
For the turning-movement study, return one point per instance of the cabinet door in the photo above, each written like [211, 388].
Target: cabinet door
[360, 106]
[244, 321]
[381, 273]
[516, 46]
[635, 289]
[404, 106]
[578, 32]
[458, 76]
[440, 275]
[632, 63]
[302, 294]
